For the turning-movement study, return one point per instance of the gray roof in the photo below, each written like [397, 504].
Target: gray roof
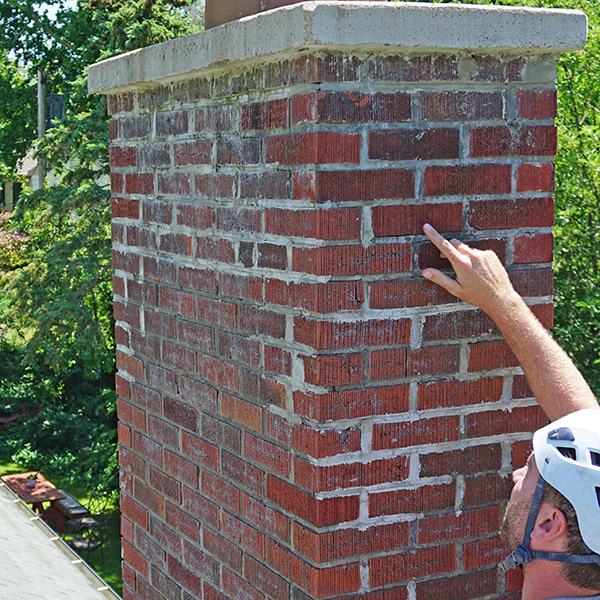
[35, 562]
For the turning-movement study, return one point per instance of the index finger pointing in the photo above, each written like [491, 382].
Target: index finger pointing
[441, 243]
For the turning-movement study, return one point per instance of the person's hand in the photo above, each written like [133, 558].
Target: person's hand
[481, 279]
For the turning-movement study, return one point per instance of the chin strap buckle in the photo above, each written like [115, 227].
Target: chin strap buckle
[520, 556]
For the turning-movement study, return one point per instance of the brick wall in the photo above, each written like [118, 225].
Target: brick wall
[302, 415]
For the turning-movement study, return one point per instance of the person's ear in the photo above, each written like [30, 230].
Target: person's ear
[550, 525]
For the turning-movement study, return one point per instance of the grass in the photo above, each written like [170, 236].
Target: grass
[110, 569]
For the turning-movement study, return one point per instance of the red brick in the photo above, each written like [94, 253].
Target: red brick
[167, 485]
[511, 214]
[321, 513]
[218, 371]
[203, 509]
[322, 442]
[410, 565]
[238, 151]
[483, 490]
[438, 394]
[216, 312]
[501, 422]
[312, 69]
[501, 140]
[265, 185]
[238, 348]
[155, 155]
[134, 558]
[313, 148]
[321, 334]
[130, 364]
[192, 153]
[408, 219]
[238, 219]
[533, 282]
[147, 448]
[126, 261]
[194, 216]
[222, 434]
[351, 404]
[465, 585]
[200, 451]
[404, 434]
[407, 293]
[267, 455]
[423, 499]
[214, 185]
[147, 497]
[261, 389]
[240, 286]
[273, 114]
[216, 119]
[347, 543]
[241, 412]
[260, 321]
[235, 587]
[220, 491]
[179, 357]
[533, 248]
[226, 552]
[318, 582]
[182, 522]
[462, 106]
[177, 184]
[180, 413]
[266, 519]
[182, 469]
[484, 553]
[335, 369]
[413, 144]
[400, 362]
[520, 453]
[351, 107]
[319, 297]
[163, 432]
[134, 127]
[117, 181]
[354, 186]
[467, 180]
[316, 478]
[537, 104]
[471, 523]
[243, 535]
[485, 356]
[127, 313]
[325, 224]
[184, 576]
[458, 324]
[157, 211]
[134, 512]
[352, 260]
[171, 123]
[466, 461]
[266, 580]
[122, 208]
[535, 177]
[113, 129]
[278, 360]
[428, 67]
[160, 270]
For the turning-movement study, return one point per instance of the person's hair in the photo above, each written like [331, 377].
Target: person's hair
[584, 575]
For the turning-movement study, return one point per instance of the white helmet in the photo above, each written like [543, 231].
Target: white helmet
[567, 455]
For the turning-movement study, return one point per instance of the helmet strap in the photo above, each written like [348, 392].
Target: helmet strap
[522, 554]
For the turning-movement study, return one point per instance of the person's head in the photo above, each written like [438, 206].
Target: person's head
[567, 457]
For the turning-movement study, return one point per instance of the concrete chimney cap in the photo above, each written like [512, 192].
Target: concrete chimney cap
[346, 26]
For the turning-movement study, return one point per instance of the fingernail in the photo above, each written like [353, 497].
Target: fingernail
[427, 226]
[427, 274]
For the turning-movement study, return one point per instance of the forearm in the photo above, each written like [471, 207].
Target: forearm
[555, 381]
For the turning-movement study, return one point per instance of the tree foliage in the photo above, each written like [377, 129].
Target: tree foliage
[57, 293]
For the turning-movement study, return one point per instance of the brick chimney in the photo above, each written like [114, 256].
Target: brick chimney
[302, 415]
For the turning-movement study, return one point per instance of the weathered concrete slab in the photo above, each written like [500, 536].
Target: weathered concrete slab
[332, 25]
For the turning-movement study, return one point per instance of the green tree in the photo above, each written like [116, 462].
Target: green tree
[57, 292]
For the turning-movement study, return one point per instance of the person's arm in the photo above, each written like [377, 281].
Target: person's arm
[482, 281]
